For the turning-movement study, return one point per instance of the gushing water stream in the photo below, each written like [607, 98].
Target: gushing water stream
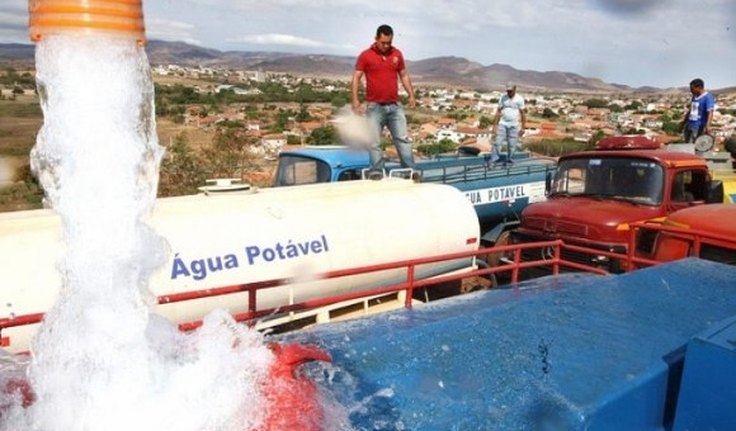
[101, 360]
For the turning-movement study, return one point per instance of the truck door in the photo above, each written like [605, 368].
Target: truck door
[689, 187]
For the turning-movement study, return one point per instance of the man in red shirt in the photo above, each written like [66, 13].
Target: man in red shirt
[383, 65]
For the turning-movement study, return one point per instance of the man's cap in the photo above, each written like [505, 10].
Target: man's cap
[510, 85]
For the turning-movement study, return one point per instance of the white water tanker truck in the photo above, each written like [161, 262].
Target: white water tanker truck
[498, 192]
[245, 237]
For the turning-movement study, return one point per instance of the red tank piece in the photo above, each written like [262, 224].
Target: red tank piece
[627, 142]
[293, 402]
[18, 387]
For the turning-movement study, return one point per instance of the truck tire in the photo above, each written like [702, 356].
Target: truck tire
[730, 145]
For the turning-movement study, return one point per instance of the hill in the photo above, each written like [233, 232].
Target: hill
[455, 71]
[440, 70]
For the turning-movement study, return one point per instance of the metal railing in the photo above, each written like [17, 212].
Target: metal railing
[513, 265]
[409, 285]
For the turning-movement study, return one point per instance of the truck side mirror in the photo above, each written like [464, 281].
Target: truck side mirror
[715, 192]
[547, 183]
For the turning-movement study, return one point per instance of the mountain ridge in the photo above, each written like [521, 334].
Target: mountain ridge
[452, 70]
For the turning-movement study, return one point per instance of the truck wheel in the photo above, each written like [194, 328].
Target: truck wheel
[484, 282]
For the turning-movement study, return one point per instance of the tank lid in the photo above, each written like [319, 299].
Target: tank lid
[220, 185]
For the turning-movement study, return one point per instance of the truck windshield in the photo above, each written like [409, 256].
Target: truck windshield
[295, 170]
[639, 181]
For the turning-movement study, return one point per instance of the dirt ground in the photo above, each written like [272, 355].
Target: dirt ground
[21, 119]
[168, 130]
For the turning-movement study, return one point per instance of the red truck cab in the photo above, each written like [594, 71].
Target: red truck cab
[705, 231]
[595, 195]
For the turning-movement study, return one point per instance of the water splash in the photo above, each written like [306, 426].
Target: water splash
[101, 360]
[354, 130]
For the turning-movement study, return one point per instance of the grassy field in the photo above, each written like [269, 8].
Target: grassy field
[167, 131]
[19, 123]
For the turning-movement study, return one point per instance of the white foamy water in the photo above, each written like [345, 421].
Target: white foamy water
[101, 361]
[354, 130]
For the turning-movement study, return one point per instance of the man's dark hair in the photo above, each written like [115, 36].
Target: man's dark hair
[697, 82]
[385, 30]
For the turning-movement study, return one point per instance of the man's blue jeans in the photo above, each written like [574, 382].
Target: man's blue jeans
[509, 135]
[692, 132]
[391, 116]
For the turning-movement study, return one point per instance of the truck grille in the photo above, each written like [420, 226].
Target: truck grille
[573, 228]
[556, 226]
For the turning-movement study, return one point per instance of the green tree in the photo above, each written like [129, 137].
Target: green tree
[484, 122]
[181, 170]
[634, 131]
[443, 146]
[597, 136]
[326, 135]
[339, 100]
[303, 116]
[458, 116]
[412, 119]
[232, 124]
[549, 114]
[305, 94]
[293, 140]
[596, 103]
[671, 128]
[557, 147]
[281, 120]
[230, 154]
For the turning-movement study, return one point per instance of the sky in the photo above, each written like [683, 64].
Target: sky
[662, 43]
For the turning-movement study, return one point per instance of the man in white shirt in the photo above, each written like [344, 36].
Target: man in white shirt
[509, 123]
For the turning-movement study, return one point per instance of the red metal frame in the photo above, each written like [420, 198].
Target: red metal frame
[515, 266]
[409, 285]
[697, 237]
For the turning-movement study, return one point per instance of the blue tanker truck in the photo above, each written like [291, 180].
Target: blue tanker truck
[499, 192]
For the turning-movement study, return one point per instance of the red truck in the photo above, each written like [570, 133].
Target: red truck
[705, 231]
[595, 195]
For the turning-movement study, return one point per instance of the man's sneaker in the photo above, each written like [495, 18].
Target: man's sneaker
[416, 177]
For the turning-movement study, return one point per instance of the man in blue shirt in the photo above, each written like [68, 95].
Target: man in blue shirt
[699, 112]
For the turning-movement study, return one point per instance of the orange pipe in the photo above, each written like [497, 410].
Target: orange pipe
[123, 18]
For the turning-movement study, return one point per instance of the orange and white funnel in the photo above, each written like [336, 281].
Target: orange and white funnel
[121, 18]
